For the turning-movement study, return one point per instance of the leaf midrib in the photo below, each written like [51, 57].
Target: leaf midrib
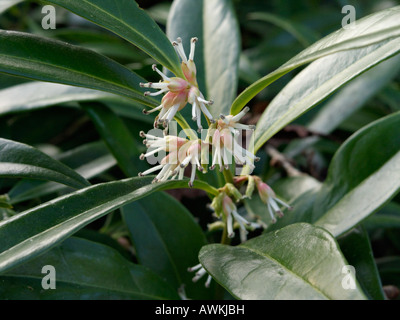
[282, 117]
[41, 63]
[126, 25]
[266, 256]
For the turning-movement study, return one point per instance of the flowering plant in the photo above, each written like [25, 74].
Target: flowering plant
[143, 180]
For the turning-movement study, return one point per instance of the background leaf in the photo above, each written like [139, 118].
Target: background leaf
[19, 160]
[31, 232]
[38, 58]
[362, 176]
[167, 239]
[357, 249]
[84, 271]
[126, 19]
[117, 137]
[217, 51]
[316, 82]
[372, 29]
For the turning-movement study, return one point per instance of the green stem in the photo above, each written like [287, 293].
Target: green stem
[228, 176]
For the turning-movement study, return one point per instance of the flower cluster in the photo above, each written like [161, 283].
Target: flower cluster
[221, 136]
[175, 153]
[179, 91]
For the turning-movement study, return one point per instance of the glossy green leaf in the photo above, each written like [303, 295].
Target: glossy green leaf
[31, 232]
[372, 29]
[317, 82]
[38, 58]
[117, 137]
[217, 51]
[166, 239]
[354, 95]
[299, 262]
[85, 270]
[363, 175]
[126, 19]
[43, 94]
[19, 160]
[88, 160]
[357, 249]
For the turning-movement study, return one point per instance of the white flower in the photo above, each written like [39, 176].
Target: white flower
[181, 153]
[178, 91]
[200, 273]
[268, 196]
[225, 145]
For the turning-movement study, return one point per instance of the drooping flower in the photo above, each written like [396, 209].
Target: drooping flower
[179, 91]
[269, 197]
[199, 274]
[181, 153]
[223, 134]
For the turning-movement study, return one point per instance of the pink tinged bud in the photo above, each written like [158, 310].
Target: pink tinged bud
[265, 192]
[189, 70]
[168, 100]
[178, 85]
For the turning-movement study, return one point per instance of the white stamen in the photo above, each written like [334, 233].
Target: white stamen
[148, 93]
[229, 224]
[240, 115]
[160, 73]
[192, 47]
[152, 170]
[179, 49]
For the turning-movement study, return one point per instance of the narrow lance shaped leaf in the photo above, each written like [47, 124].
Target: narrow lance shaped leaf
[327, 75]
[117, 137]
[38, 58]
[363, 175]
[377, 27]
[18, 160]
[126, 19]
[298, 262]
[34, 231]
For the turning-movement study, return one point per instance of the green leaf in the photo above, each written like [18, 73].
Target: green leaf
[34, 231]
[38, 58]
[39, 95]
[303, 34]
[357, 249]
[85, 270]
[117, 137]
[372, 29]
[19, 160]
[363, 175]
[317, 82]
[127, 20]
[88, 160]
[297, 262]
[166, 239]
[217, 51]
[354, 95]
